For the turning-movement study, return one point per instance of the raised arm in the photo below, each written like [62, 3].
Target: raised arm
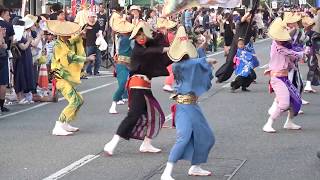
[293, 55]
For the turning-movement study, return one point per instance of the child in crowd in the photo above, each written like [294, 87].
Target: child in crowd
[245, 62]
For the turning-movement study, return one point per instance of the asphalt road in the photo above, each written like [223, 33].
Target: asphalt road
[242, 151]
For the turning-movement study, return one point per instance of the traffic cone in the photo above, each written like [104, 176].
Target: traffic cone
[43, 81]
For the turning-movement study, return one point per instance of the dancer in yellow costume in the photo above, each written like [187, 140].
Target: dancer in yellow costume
[68, 60]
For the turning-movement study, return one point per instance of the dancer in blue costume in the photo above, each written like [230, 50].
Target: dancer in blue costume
[193, 77]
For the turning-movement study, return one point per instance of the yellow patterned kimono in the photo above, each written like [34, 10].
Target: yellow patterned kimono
[68, 60]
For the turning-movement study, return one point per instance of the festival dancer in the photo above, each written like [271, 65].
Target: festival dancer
[245, 61]
[123, 28]
[298, 38]
[145, 117]
[313, 76]
[193, 77]
[165, 36]
[67, 62]
[282, 60]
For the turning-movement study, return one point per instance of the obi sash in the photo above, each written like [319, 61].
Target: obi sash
[138, 82]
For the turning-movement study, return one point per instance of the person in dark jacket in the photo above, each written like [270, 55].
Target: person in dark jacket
[145, 117]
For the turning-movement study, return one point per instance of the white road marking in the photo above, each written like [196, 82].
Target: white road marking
[96, 77]
[60, 99]
[214, 54]
[59, 174]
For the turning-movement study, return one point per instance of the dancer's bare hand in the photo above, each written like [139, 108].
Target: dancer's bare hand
[212, 61]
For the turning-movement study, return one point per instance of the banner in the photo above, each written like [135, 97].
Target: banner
[74, 8]
[174, 6]
[274, 4]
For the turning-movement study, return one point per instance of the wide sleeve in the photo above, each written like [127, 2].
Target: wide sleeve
[147, 53]
[293, 55]
[77, 53]
[192, 76]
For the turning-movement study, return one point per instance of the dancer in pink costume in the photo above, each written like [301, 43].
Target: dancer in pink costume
[282, 60]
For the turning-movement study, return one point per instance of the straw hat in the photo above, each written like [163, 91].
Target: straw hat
[63, 28]
[145, 28]
[135, 7]
[32, 17]
[121, 25]
[181, 46]
[165, 23]
[28, 23]
[278, 30]
[291, 17]
[307, 21]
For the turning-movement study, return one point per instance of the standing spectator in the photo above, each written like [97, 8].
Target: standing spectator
[236, 17]
[92, 33]
[229, 30]
[213, 28]
[151, 18]
[61, 16]
[24, 81]
[182, 18]
[135, 12]
[82, 15]
[199, 19]
[260, 25]
[206, 20]
[266, 18]
[68, 15]
[188, 20]
[54, 11]
[102, 18]
[6, 35]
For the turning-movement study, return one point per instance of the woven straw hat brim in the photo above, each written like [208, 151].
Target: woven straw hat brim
[307, 21]
[181, 46]
[165, 23]
[32, 17]
[278, 31]
[145, 28]
[122, 26]
[290, 17]
[178, 50]
[28, 23]
[63, 28]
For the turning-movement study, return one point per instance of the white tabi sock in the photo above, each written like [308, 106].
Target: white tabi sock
[146, 146]
[290, 125]
[268, 126]
[112, 109]
[111, 145]
[166, 175]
